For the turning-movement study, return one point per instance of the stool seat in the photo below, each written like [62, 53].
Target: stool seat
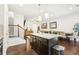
[57, 50]
[58, 47]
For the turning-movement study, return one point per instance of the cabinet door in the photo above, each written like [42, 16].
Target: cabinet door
[31, 40]
[43, 49]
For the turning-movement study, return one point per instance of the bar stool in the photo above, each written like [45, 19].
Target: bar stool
[58, 50]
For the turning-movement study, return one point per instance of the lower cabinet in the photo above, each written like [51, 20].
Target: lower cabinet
[38, 45]
[42, 45]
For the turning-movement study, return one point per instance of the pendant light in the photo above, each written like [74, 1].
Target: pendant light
[46, 12]
[39, 11]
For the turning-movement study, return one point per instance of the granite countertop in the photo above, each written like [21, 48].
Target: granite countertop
[47, 36]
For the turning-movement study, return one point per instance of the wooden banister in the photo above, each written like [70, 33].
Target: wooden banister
[13, 25]
[18, 28]
[26, 33]
[21, 27]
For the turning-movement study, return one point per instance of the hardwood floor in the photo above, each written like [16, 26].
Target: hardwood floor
[23, 49]
[20, 50]
[71, 48]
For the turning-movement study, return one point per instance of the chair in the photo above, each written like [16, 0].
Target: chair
[67, 36]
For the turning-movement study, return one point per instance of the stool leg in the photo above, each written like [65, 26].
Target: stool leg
[74, 41]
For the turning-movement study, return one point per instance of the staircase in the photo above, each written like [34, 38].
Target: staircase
[16, 38]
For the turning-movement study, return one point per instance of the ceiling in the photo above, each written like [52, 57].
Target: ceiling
[54, 10]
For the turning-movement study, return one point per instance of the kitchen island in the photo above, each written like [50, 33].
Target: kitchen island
[42, 43]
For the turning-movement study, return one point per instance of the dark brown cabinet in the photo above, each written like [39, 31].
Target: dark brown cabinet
[41, 45]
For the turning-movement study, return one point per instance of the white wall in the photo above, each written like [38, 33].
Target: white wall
[6, 33]
[15, 19]
[31, 25]
[65, 23]
[1, 19]
[19, 19]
